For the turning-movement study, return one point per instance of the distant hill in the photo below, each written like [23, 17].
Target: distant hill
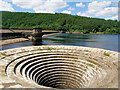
[59, 21]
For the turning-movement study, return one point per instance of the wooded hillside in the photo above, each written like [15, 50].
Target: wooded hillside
[59, 22]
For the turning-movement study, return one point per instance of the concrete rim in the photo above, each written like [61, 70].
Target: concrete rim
[103, 69]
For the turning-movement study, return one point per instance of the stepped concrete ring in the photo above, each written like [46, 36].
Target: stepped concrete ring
[58, 66]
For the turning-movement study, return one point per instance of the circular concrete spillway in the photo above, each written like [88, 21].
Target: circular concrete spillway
[52, 66]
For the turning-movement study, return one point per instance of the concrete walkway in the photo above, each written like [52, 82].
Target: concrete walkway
[16, 40]
[11, 41]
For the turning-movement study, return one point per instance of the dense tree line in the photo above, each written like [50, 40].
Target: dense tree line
[59, 21]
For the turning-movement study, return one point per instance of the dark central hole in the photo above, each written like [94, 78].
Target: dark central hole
[56, 71]
[62, 79]
[57, 76]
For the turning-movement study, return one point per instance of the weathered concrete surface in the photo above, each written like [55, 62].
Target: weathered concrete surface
[11, 41]
[80, 67]
[18, 31]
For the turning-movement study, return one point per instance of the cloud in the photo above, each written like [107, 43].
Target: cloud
[79, 13]
[5, 6]
[80, 5]
[82, 14]
[101, 9]
[66, 12]
[40, 6]
[115, 4]
[112, 18]
[98, 5]
[70, 8]
[109, 11]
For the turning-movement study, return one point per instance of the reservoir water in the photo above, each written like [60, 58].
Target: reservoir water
[109, 42]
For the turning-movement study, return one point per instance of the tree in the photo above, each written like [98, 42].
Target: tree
[58, 21]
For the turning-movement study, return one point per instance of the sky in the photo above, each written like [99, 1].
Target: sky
[106, 9]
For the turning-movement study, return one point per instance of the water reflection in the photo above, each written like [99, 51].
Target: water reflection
[37, 43]
[109, 42]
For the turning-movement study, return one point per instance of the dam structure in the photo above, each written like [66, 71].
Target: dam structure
[58, 66]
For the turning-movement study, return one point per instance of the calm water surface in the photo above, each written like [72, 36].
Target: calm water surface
[109, 42]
